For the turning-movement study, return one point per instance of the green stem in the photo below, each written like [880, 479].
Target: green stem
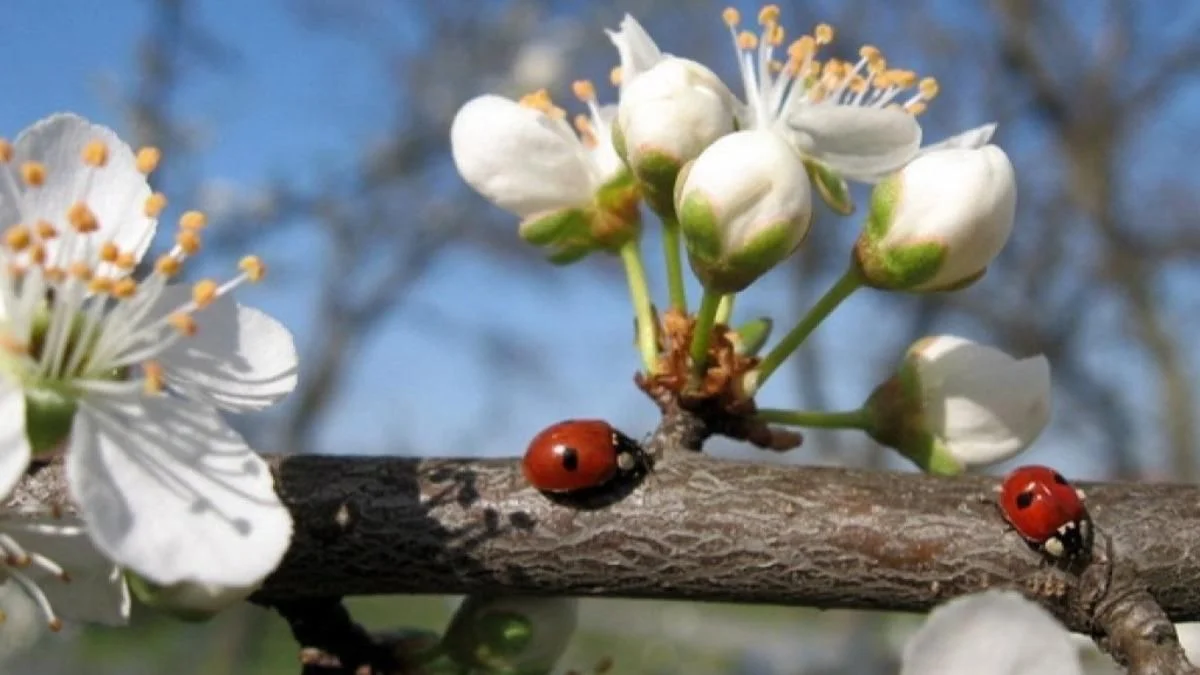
[725, 309]
[848, 283]
[639, 292]
[845, 419]
[671, 247]
[702, 335]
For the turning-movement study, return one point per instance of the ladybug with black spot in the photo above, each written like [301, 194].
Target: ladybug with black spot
[1046, 510]
[576, 455]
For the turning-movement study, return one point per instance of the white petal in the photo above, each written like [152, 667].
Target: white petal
[14, 443]
[24, 624]
[96, 591]
[240, 358]
[518, 158]
[991, 633]
[860, 143]
[173, 493]
[635, 47]
[970, 139]
[117, 194]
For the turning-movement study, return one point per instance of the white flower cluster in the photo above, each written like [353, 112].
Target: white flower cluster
[125, 376]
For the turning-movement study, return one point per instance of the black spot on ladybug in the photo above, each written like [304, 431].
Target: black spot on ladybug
[1024, 500]
[570, 458]
[1059, 479]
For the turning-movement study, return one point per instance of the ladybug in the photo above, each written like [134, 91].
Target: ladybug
[1046, 510]
[579, 454]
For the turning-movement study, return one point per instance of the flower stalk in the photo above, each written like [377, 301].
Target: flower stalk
[639, 293]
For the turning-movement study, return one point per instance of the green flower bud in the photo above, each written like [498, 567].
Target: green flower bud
[511, 635]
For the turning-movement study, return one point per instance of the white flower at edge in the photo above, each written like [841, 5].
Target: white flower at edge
[130, 374]
[49, 572]
[857, 118]
[977, 405]
[991, 633]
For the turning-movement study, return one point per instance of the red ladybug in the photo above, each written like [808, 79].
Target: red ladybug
[1046, 510]
[577, 455]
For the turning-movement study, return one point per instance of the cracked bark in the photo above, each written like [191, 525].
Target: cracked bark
[699, 528]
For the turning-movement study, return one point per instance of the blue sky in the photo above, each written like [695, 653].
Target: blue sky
[299, 104]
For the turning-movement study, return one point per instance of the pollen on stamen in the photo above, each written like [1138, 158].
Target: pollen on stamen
[587, 135]
[147, 159]
[823, 33]
[55, 275]
[154, 205]
[168, 266]
[37, 254]
[193, 220]
[768, 15]
[33, 173]
[189, 241]
[55, 625]
[45, 230]
[18, 237]
[616, 76]
[253, 267]
[124, 288]
[109, 252]
[914, 107]
[929, 88]
[100, 286]
[155, 377]
[584, 90]
[82, 218]
[80, 270]
[126, 260]
[183, 323]
[204, 292]
[540, 101]
[775, 35]
[747, 40]
[6, 150]
[95, 154]
[731, 17]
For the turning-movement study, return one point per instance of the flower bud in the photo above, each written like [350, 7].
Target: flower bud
[939, 222]
[744, 206]
[750, 337]
[185, 600]
[667, 116]
[511, 634]
[955, 404]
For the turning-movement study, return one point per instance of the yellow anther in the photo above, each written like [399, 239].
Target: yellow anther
[587, 134]
[802, 48]
[37, 254]
[253, 267]
[193, 220]
[903, 78]
[823, 33]
[11, 345]
[82, 219]
[147, 159]
[774, 66]
[615, 76]
[204, 292]
[731, 17]
[168, 266]
[55, 625]
[6, 150]
[126, 260]
[55, 275]
[858, 84]
[768, 15]
[775, 35]
[584, 90]
[18, 237]
[33, 173]
[100, 286]
[45, 230]
[869, 52]
[915, 108]
[188, 240]
[95, 154]
[109, 252]
[185, 324]
[835, 69]
[747, 40]
[929, 88]
[154, 205]
[155, 377]
[877, 66]
[540, 100]
[882, 80]
[124, 288]
[80, 270]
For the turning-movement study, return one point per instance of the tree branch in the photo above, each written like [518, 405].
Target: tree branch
[698, 528]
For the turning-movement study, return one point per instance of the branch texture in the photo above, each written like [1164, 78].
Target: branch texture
[704, 529]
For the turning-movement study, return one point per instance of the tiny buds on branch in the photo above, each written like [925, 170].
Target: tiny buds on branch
[744, 206]
[938, 223]
[752, 336]
[667, 116]
[954, 404]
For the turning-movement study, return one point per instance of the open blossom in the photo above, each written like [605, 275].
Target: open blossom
[127, 376]
[568, 186]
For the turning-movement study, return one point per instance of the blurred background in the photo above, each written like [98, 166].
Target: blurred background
[314, 132]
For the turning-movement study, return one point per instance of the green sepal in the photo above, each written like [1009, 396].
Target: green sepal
[567, 255]
[657, 173]
[897, 417]
[544, 230]
[49, 412]
[752, 336]
[160, 598]
[834, 190]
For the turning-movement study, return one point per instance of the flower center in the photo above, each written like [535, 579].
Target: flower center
[591, 131]
[774, 86]
[72, 318]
